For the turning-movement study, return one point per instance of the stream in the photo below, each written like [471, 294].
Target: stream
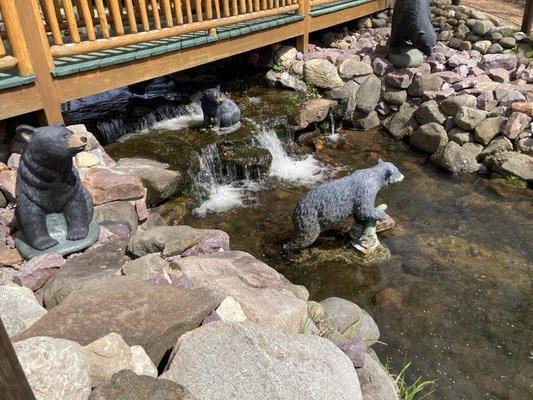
[460, 251]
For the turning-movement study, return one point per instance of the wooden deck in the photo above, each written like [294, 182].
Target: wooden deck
[85, 47]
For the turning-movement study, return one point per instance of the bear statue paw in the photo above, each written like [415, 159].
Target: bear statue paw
[77, 233]
[44, 242]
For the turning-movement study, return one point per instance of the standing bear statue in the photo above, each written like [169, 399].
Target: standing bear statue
[330, 204]
[219, 111]
[48, 183]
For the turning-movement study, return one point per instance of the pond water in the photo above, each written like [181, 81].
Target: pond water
[460, 251]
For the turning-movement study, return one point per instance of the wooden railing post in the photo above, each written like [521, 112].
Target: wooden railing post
[13, 382]
[302, 42]
[527, 21]
[14, 36]
[39, 54]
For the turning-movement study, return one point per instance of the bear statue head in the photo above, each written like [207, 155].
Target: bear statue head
[52, 143]
[392, 174]
[425, 41]
[213, 96]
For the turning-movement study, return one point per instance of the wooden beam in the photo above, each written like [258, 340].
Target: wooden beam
[13, 382]
[348, 14]
[19, 100]
[92, 82]
[527, 21]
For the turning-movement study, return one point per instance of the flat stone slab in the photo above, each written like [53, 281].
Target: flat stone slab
[406, 57]
[57, 228]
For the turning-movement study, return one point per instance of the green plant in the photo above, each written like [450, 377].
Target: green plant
[416, 391]
[278, 68]
[516, 182]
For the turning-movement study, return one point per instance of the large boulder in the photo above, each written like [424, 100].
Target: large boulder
[127, 385]
[368, 95]
[402, 122]
[36, 272]
[110, 354]
[85, 271]
[376, 383]
[314, 110]
[264, 295]
[160, 182]
[285, 80]
[106, 185]
[429, 137]
[285, 56]
[491, 61]
[146, 267]
[117, 211]
[424, 83]
[497, 145]
[453, 104]
[346, 96]
[144, 314]
[429, 112]
[18, 308]
[349, 69]
[489, 129]
[511, 162]
[321, 73]
[455, 158]
[469, 118]
[55, 368]
[516, 124]
[222, 361]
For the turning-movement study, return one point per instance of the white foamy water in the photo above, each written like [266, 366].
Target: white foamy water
[190, 116]
[304, 170]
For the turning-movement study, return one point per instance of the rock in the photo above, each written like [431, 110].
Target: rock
[508, 42]
[468, 82]
[495, 48]
[465, 45]
[110, 354]
[395, 97]
[18, 308]
[85, 271]
[497, 145]
[230, 311]
[390, 299]
[36, 272]
[346, 95]
[214, 241]
[376, 383]
[144, 314]
[429, 112]
[455, 159]
[486, 101]
[489, 129]
[160, 182]
[277, 365]
[13, 161]
[368, 122]
[425, 83]
[356, 351]
[525, 108]
[516, 123]
[127, 385]
[285, 80]
[169, 240]
[7, 274]
[117, 211]
[350, 320]
[107, 185]
[402, 122]
[490, 61]
[297, 67]
[525, 145]
[468, 118]
[265, 297]
[512, 96]
[349, 69]
[285, 56]
[482, 46]
[321, 73]
[314, 110]
[452, 105]
[146, 267]
[429, 137]
[400, 79]
[10, 258]
[368, 95]
[511, 162]
[499, 75]
[86, 159]
[474, 149]
[381, 66]
[55, 368]
[406, 58]
[482, 27]
[461, 58]
[8, 180]
[459, 136]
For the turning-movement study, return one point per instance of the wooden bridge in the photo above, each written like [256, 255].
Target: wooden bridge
[54, 51]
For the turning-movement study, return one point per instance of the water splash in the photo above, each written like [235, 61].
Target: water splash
[304, 170]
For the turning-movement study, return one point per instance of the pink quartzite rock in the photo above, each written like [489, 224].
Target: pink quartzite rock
[449, 76]
[466, 83]
[400, 78]
[381, 66]
[34, 273]
[10, 258]
[213, 241]
[13, 161]
[106, 185]
[486, 101]
[500, 75]
[462, 71]
[8, 181]
[490, 61]
[525, 108]
[516, 124]
[457, 59]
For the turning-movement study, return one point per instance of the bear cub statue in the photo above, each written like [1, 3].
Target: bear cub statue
[219, 111]
[411, 22]
[47, 182]
[330, 204]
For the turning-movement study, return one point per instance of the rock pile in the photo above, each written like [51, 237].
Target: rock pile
[469, 106]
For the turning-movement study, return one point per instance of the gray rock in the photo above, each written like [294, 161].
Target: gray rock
[508, 42]
[146, 267]
[144, 314]
[469, 118]
[497, 145]
[18, 308]
[221, 361]
[285, 80]
[36, 272]
[402, 122]
[473, 148]
[429, 137]
[346, 95]
[117, 211]
[525, 145]
[516, 123]
[55, 368]
[85, 271]
[507, 61]
[452, 105]
[455, 159]
[376, 383]
[367, 122]
[168, 240]
[423, 83]
[314, 110]
[321, 73]
[127, 385]
[395, 97]
[350, 320]
[368, 95]
[407, 58]
[459, 136]
[512, 162]
[349, 69]
[482, 27]
[495, 48]
[429, 112]
[489, 129]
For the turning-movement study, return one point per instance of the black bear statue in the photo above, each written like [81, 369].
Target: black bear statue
[47, 183]
[219, 111]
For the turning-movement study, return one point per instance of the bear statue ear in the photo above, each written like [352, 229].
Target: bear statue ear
[25, 131]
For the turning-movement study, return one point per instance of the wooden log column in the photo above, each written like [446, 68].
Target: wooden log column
[302, 42]
[527, 21]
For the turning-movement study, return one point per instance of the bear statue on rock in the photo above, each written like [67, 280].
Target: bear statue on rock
[411, 22]
[47, 183]
[330, 204]
[219, 111]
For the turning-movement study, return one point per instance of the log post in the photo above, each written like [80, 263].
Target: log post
[527, 21]
[13, 382]
[302, 42]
